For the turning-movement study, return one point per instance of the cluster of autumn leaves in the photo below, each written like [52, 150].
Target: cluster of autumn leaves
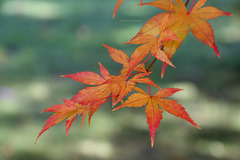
[160, 37]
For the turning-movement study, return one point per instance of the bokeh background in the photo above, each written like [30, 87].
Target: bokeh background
[43, 39]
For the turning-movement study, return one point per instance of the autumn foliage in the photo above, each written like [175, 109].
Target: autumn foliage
[159, 37]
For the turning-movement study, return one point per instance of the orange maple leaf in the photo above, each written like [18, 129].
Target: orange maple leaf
[153, 44]
[116, 86]
[132, 64]
[154, 113]
[122, 58]
[68, 110]
[180, 21]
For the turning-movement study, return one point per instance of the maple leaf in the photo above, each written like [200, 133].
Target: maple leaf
[180, 21]
[68, 111]
[122, 58]
[154, 113]
[153, 44]
[118, 4]
[116, 86]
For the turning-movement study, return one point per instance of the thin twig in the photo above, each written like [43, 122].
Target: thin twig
[151, 64]
[149, 87]
[187, 3]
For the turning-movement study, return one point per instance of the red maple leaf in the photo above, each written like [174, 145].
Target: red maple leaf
[68, 111]
[122, 58]
[115, 87]
[154, 113]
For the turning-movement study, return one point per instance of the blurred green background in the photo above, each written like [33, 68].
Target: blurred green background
[43, 39]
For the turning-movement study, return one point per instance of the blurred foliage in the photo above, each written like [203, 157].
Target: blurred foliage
[43, 39]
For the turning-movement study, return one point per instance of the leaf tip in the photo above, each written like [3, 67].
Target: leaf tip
[104, 45]
[178, 89]
[38, 136]
[116, 108]
[228, 14]
[163, 70]
[198, 127]
[162, 75]
[216, 51]
[36, 140]
[66, 76]
[152, 142]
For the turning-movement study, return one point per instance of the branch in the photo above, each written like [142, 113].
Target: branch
[151, 65]
[187, 3]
